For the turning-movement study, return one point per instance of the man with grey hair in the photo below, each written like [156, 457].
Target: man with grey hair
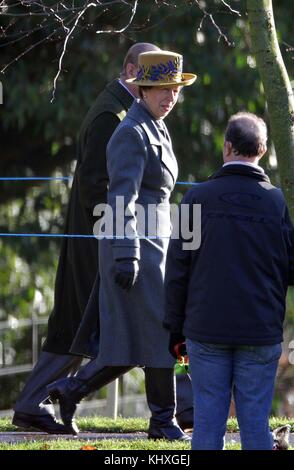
[227, 298]
[246, 135]
[78, 261]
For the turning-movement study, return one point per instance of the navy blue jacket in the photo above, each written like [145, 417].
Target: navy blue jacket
[232, 288]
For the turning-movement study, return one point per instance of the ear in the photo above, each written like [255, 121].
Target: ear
[131, 70]
[228, 148]
[264, 150]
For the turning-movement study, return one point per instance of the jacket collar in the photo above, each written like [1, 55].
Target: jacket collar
[242, 170]
[121, 93]
[139, 113]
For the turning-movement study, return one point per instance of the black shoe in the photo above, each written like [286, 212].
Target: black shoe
[171, 432]
[44, 423]
[66, 391]
[70, 391]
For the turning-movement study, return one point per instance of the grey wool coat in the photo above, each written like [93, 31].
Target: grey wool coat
[142, 167]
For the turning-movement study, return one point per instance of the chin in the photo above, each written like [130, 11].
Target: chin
[163, 115]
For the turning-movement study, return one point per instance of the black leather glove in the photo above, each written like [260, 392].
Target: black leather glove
[126, 272]
[177, 339]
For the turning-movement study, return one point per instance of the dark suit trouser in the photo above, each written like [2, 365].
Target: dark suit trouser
[49, 367]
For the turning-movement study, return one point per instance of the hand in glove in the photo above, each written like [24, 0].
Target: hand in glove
[126, 272]
[177, 346]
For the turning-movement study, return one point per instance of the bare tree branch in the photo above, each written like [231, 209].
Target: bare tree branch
[65, 45]
[33, 22]
[69, 33]
[230, 8]
[208, 15]
[134, 9]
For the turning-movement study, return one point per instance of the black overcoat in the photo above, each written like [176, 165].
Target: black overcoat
[78, 259]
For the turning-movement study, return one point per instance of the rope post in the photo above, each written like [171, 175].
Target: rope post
[112, 399]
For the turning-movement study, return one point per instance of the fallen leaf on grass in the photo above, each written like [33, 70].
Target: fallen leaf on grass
[45, 447]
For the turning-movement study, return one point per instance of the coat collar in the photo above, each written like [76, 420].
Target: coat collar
[242, 170]
[121, 93]
[140, 114]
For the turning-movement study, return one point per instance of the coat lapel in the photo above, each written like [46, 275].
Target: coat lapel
[140, 114]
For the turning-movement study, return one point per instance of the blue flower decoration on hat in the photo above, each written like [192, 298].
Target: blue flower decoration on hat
[160, 72]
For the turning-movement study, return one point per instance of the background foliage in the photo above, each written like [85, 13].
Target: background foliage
[39, 137]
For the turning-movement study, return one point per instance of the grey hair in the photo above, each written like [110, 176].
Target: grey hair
[247, 134]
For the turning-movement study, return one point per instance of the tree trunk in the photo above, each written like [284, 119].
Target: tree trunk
[277, 88]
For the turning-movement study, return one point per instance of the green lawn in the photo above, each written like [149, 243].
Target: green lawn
[121, 425]
[126, 425]
[103, 444]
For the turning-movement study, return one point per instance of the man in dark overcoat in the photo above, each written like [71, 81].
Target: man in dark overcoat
[78, 259]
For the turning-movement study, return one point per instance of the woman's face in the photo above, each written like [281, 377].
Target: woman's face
[160, 100]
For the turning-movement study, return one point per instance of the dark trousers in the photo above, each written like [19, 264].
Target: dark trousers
[49, 367]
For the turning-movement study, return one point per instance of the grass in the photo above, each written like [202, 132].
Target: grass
[130, 425]
[96, 424]
[107, 444]
[275, 422]
[103, 444]
[120, 425]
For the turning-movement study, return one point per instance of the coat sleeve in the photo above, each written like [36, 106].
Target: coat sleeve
[92, 173]
[289, 236]
[178, 267]
[126, 161]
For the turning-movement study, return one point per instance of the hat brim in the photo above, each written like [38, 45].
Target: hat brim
[187, 79]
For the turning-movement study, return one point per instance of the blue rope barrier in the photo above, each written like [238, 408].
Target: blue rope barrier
[62, 178]
[59, 235]
[67, 235]
[34, 178]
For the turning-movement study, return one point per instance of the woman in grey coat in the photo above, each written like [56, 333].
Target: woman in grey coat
[142, 172]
